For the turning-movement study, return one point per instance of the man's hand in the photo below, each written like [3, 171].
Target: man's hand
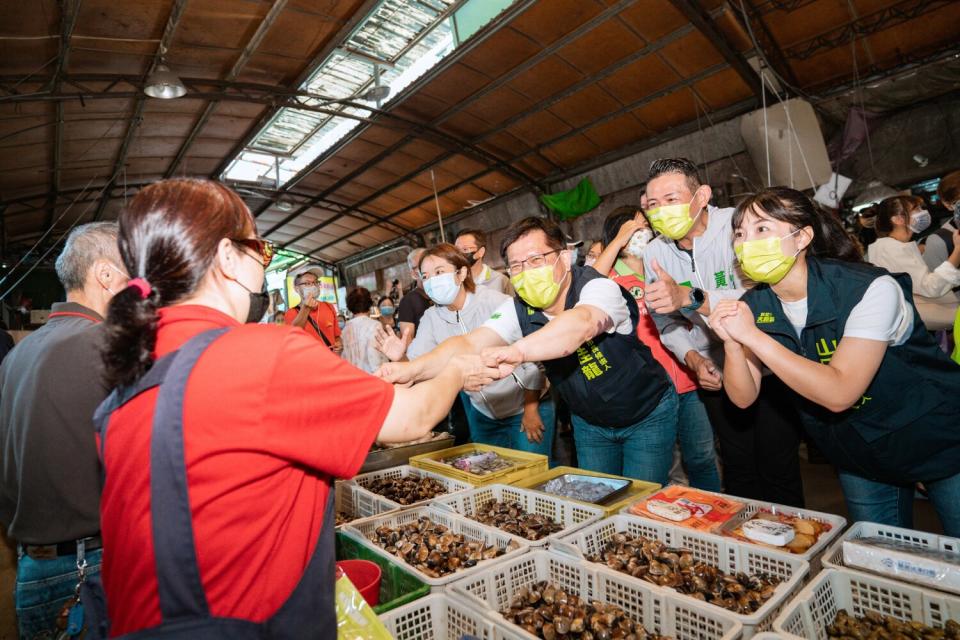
[708, 373]
[390, 344]
[531, 424]
[475, 374]
[337, 347]
[311, 301]
[403, 373]
[505, 359]
[665, 295]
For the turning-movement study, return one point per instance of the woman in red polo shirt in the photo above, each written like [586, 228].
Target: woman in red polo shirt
[223, 439]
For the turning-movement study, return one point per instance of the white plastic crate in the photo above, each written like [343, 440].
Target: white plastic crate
[367, 500]
[816, 606]
[770, 635]
[471, 530]
[439, 616]
[658, 611]
[356, 504]
[572, 515]
[833, 558]
[812, 555]
[726, 554]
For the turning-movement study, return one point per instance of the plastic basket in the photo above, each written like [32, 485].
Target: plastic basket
[657, 610]
[638, 488]
[367, 502]
[525, 464]
[812, 555]
[724, 553]
[458, 524]
[440, 616]
[833, 558]
[356, 504]
[815, 607]
[397, 585]
[572, 515]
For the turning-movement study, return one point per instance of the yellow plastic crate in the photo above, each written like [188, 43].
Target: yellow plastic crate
[525, 464]
[638, 488]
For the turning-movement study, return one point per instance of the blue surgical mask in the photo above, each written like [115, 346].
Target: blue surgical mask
[442, 289]
[387, 311]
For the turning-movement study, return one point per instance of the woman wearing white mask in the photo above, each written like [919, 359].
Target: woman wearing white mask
[898, 219]
[513, 412]
[626, 234]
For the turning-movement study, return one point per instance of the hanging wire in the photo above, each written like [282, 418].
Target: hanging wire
[55, 243]
[766, 130]
[858, 92]
[436, 199]
[713, 125]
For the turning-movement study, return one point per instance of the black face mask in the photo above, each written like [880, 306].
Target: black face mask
[471, 257]
[259, 303]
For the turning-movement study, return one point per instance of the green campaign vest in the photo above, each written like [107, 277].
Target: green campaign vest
[906, 427]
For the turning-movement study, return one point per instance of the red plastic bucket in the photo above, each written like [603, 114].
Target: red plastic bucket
[365, 576]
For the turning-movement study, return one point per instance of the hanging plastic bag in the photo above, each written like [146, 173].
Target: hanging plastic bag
[355, 618]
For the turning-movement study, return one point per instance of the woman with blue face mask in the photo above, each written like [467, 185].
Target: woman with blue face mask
[514, 412]
[875, 392]
[388, 316]
[898, 221]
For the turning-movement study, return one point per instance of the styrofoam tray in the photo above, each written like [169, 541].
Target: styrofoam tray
[366, 499]
[572, 515]
[725, 553]
[658, 611]
[356, 504]
[833, 558]
[471, 530]
[439, 616]
[812, 555]
[810, 611]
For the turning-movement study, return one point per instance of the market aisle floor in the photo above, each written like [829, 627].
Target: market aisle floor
[821, 488]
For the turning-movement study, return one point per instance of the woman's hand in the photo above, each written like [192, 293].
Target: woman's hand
[732, 320]
[390, 344]
[475, 374]
[627, 229]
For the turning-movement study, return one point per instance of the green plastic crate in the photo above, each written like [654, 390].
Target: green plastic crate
[397, 586]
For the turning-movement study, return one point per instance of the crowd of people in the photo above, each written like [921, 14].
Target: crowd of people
[166, 449]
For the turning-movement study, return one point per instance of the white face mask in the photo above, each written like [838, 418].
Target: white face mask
[919, 221]
[638, 242]
[589, 261]
[308, 291]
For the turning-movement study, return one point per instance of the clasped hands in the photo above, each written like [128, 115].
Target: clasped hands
[477, 371]
[732, 321]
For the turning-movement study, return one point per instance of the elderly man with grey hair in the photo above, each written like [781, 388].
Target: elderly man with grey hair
[415, 303]
[50, 385]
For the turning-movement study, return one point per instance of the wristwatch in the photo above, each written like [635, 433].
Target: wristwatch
[697, 298]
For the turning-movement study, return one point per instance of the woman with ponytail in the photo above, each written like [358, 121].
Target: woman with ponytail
[877, 395]
[222, 439]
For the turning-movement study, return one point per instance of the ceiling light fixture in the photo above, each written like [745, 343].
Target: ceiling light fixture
[164, 84]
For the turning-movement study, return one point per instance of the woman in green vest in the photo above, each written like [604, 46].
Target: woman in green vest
[877, 395]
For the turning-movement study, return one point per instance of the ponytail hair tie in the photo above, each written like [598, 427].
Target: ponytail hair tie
[142, 286]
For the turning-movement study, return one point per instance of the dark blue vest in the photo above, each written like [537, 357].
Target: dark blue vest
[906, 427]
[611, 380]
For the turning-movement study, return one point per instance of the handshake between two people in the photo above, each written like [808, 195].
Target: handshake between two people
[477, 370]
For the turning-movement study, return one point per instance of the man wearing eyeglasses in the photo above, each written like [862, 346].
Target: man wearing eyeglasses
[317, 318]
[582, 326]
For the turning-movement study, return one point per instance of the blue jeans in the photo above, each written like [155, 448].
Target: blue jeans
[506, 432]
[893, 504]
[43, 587]
[643, 450]
[697, 446]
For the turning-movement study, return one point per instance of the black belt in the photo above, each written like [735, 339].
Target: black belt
[50, 551]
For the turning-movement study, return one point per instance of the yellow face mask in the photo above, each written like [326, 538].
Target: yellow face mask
[763, 260]
[672, 220]
[536, 286]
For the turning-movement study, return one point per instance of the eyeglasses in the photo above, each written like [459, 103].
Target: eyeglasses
[533, 262]
[262, 247]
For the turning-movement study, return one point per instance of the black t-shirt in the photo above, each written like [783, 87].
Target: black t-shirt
[413, 306]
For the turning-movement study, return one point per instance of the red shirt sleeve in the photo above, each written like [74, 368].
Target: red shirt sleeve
[331, 411]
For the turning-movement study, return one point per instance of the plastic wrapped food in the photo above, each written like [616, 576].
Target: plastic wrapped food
[806, 531]
[479, 463]
[585, 488]
[708, 511]
[905, 561]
